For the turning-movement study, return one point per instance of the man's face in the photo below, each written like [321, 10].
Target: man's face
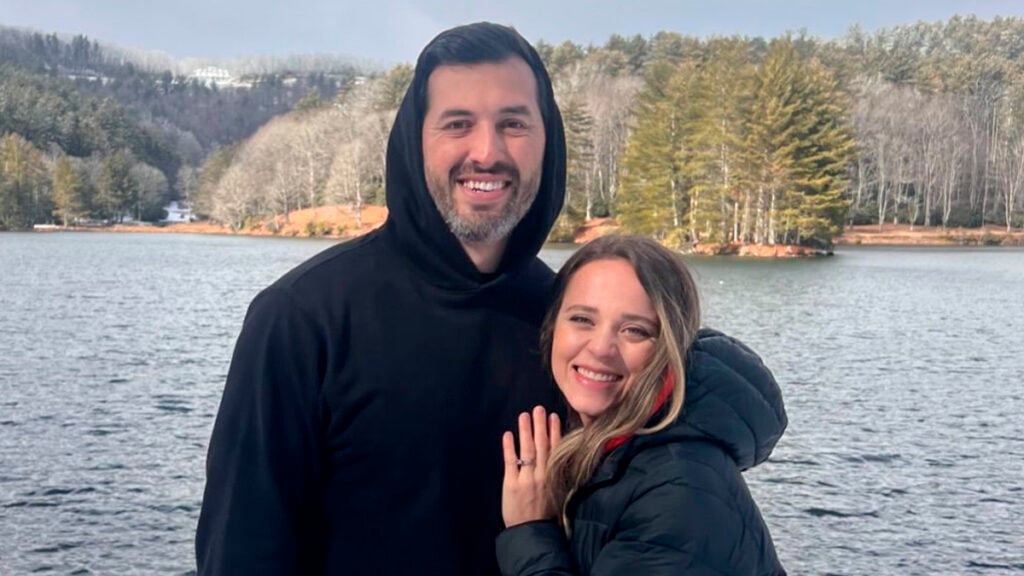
[483, 146]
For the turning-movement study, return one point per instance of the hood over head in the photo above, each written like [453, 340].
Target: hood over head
[413, 218]
[732, 399]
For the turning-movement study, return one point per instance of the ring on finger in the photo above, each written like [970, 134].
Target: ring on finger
[520, 462]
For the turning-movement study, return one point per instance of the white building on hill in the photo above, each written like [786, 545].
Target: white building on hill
[211, 75]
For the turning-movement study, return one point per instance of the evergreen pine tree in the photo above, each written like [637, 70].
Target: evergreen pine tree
[116, 189]
[22, 177]
[716, 123]
[775, 128]
[827, 151]
[579, 125]
[649, 201]
[68, 202]
[799, 150]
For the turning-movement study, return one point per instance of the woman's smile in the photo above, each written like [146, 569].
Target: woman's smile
[604, 335]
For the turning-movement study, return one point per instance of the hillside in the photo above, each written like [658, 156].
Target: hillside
[132, 128]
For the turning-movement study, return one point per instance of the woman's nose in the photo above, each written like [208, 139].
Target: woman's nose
[603, 344]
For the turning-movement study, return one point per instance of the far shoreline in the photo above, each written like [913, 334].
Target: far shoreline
[341, 223]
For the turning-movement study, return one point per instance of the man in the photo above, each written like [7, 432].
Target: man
[360, 428]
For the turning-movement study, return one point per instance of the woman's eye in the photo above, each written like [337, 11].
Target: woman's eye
[638, 332]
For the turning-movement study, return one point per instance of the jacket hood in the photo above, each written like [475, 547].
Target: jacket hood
[732, 399]
[414, 220]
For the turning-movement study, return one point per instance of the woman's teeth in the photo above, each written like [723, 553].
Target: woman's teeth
[598, 376]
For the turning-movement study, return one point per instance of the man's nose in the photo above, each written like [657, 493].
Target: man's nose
[486, 147]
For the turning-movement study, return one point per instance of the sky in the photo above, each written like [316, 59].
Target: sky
[393, 31]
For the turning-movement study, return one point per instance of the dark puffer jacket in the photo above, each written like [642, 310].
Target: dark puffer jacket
[674, 502]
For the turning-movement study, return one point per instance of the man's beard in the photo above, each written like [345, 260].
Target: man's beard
[485, 228]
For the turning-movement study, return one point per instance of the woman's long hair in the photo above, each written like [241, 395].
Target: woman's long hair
[673, 294]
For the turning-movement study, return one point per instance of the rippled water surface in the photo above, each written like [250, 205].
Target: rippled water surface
[903, 372]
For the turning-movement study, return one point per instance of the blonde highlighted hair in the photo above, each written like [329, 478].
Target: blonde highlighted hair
[673, 294]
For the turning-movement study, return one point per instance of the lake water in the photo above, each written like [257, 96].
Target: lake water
[902, 369]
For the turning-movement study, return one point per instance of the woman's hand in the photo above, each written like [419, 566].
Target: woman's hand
[524, 495]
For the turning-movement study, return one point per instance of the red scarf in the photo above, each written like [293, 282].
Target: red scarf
[667, 384]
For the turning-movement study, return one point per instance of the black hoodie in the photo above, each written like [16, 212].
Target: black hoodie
[360, 427]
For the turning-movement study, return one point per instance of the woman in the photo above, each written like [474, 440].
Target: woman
[663, 418]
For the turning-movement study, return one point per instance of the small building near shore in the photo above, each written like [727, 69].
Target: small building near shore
[178, 212]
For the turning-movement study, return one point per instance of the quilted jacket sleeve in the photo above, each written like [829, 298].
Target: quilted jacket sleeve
[681, 530]
[679, 527]
[534, 548]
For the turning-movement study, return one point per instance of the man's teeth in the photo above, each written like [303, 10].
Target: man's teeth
[485, 186]
[599, 376]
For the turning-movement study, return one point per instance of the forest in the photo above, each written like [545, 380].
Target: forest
[720, 139]
[95, 133]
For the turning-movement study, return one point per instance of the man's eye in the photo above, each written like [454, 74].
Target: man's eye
[457, 125]
[516, 125]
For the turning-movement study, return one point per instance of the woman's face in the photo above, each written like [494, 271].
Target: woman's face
[604, 335]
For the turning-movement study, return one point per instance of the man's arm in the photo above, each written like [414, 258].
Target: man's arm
[263, 464]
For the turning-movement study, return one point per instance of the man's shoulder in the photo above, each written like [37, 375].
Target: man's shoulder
[538, 268]
[338, 266]
[536, 274]
[340, 270]
[528, 290]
